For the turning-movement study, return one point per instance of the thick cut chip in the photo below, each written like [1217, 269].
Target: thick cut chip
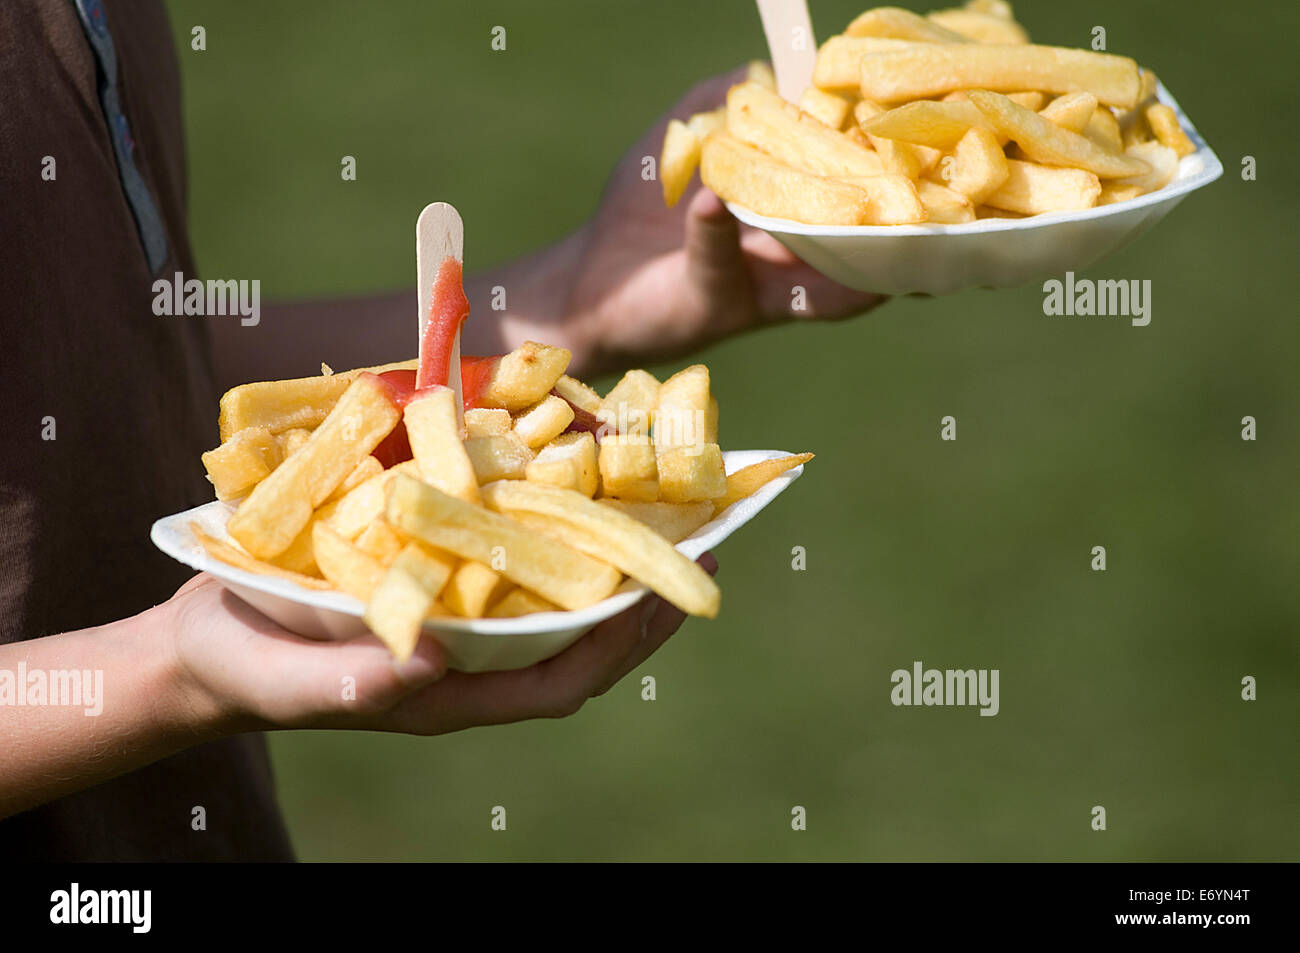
[1103, 129]
[926, 70]
[762, 119]
[760, 71]
[524, 376]
[519, 602]
[569, 461]
[557, 572]
[742, 174]
[706, 123]
[629, 407]
[578, 394]
[281, 505]
[380, 541]
[364, 504]
[473, 588]
[628, 469]
[543, 422]
[751, 479]
[940, 125]
[1164, 123]
[487, 422]
[978, 167]
[242, 462]
[367, 469]
[1033, 189]
[830, 109]
[613, 537]
[682, 409]
[677, 162]
[673, 521]
[283, 405]
[900, 24]
[839, 60]
[1045, 142]
[691, 474]
[346, 566]
[1073, 111]
[218, 549]
[434, 433]
[943, 205]
[980, 27]
[404, 598]
[498, 458]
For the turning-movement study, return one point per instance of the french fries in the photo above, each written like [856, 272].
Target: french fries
[883, 134]
[511, 509]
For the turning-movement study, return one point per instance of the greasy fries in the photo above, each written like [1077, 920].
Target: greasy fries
[914, 119]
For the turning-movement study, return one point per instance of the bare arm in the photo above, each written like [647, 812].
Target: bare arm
[637, 282]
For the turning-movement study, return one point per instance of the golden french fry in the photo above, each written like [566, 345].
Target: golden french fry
[241, 462]
[1044, 142]
[1033, 189]
[569, 461]
[760, 71]
[1161, 161]
[283, 405]
[578, 394]
[706, 123]
[1103, 129]
[543, 422]
[281, 505]
[472, 588]
[365, 503]
[1072, 112]
[943, 205]
[931, 69]
[219, 549]
[838, 66]
[677, 162]
[519, 602]
[892, 199]
[830, 109]
[691, 474]
[749, 480]
[629, 406]
[378, 540]
[673, 521]
[742, 174]
[554, 571]
[368, 468]
[524, 376]
[628, 469]
[1112, 193]
[404, 598]
[488, 422]
[1164, 123]
[980, 27]
[682, 405]
[928, 123]
[765, 121]
[498, 458]
[434, 434]
[346, 566]
[978, 167]
[613, 537]
[899, 24]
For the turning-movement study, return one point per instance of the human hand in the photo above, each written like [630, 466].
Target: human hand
[246, 673]
[652, 282]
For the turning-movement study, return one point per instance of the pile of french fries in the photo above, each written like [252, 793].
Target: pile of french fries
[945, 118]
[544, 496]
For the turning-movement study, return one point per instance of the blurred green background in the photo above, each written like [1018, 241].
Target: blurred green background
[1119, 688]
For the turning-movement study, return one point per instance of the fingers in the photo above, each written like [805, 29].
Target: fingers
[552, 689]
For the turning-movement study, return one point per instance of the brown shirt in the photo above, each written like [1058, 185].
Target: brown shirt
[130, 401]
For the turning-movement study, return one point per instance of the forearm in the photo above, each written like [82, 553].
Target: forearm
[292, 339]
[126, 706]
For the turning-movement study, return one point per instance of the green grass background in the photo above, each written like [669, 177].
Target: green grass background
[1119, 688]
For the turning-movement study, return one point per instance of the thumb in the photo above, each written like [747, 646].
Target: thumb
[716, 263]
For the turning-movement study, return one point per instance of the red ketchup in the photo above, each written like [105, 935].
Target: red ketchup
[448, 309]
